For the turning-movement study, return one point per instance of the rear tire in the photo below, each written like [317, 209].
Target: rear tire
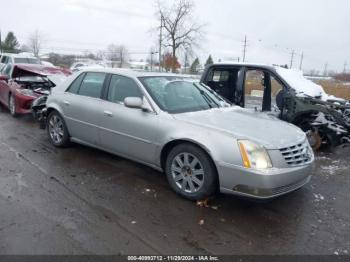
[12, 106]
[57, 130]
[191, 173]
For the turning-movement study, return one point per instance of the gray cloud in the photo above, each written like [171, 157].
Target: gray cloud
[274, 28]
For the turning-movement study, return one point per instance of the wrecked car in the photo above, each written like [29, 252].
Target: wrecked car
[21, 84]
[286, 94]
[183, 128]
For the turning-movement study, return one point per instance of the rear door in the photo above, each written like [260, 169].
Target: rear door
[81, 106]
[127, 131]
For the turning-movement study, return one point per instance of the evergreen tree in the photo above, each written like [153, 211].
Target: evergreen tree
[10, 44]
[195, 66]
[209, 61]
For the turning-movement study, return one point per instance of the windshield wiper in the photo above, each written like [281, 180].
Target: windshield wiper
[207, 98]
[204, 95]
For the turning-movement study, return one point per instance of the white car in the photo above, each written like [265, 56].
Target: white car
[22, 58]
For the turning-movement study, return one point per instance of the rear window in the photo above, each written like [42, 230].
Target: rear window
[92, 85]
[25, 60]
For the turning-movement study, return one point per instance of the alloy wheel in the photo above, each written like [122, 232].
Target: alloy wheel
[187, 172]
[56, 129]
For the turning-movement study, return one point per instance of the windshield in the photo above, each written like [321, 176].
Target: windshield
[25, 60]
[178, 95]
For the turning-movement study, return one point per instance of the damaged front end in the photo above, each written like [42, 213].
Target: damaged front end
[36, 81]
[326, 123]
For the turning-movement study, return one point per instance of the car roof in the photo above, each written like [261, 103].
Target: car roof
[257, 65]
[20, 55]
[132, 73]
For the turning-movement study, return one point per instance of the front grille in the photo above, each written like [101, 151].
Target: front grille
[298, 154]
[290, 187]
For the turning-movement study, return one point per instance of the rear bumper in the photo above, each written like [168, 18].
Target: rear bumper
[262, 184]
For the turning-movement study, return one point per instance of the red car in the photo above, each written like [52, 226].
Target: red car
[20, 84]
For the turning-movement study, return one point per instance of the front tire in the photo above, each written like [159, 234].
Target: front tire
[191, 173]
[57, 130]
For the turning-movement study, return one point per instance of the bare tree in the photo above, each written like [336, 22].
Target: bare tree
[117, 54]
[180, 31]
[35, 42]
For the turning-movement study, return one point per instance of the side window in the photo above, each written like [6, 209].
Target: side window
[7, 70]
[219, 76]
[4, 59]
[224, 82]
[121, 87]
[92, 85]
[74, 87]
[254, 89]
[276, 87]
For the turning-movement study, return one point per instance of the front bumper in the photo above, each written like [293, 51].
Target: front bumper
[264, 184]
[23, 103]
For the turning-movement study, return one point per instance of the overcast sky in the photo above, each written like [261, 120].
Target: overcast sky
[318, 28]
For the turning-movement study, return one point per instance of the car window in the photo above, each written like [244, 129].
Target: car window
[92, 84]
[224, 81]
[7, 70]
[25, 60]
[276, 87]
[219, 76]
[4, 59]
[121, 87]
[74, 87]
[254, 89]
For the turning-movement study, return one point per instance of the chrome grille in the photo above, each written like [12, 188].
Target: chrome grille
[298, 154]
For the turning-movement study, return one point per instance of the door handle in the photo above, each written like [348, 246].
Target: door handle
[66, 103]
[108, 113]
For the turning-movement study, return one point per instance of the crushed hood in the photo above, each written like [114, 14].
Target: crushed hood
[246, 124]
[53, 73]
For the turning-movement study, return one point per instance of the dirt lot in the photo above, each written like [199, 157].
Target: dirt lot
[83, 201]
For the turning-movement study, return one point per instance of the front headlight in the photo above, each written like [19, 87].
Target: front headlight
[26, 92]
[253, 155]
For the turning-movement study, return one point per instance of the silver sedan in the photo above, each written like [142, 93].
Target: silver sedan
[175, 125]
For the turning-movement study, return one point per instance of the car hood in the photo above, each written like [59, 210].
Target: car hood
[55, 74]
[260, 127]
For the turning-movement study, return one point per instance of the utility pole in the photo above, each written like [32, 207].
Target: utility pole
[301, 60]
[292, 58]
[344, 70]
[244, 47]
[186, 60]
[325, 69]
[160, 43]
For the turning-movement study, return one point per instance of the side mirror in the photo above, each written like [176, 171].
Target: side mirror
[137, 102]
[133, 102]
[4, 78]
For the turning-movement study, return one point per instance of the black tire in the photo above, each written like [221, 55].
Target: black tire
[64, 140]
[12, 106]
[210, 177]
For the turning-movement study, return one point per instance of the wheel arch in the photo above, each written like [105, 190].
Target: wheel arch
[173, 143]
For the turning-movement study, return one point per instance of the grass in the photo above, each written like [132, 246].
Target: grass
[331, 87]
